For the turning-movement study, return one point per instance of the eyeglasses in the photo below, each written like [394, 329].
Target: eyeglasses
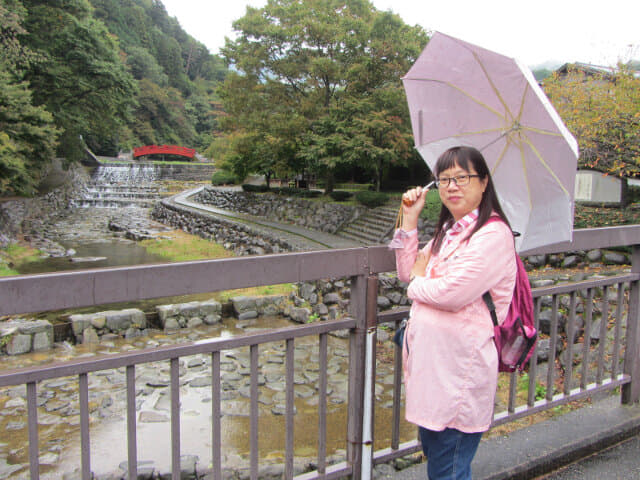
[460, 180]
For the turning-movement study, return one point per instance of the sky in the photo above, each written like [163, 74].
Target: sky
[599, 32]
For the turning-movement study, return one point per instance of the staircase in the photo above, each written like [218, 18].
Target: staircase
[372, 227]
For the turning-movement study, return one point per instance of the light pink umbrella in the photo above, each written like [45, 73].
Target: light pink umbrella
[461, 94]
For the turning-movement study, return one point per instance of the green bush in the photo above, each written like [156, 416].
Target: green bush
[633, 194]
[254, 188]
[296, 192]
[222, 177]
[286, 191]
[432, 206]
[371, 199]
[340, 195]
[309, 193]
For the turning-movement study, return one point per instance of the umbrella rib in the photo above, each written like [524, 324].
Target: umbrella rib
[495, 89]
[526, 177]
[466, 94]
[532, 129]
[541, 131]
[544, 164]
[500, 158]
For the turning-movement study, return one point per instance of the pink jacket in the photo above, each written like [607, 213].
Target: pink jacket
[451, 368]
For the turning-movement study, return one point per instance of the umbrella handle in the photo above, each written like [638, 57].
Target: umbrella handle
[408, 203]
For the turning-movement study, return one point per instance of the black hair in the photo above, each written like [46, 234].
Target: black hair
[465, 158]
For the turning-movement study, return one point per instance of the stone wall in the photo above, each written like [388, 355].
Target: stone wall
[241, 239]
[26, 216]
[24, 335]
[321, 216]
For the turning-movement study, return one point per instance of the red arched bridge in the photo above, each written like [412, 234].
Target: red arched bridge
[163, 150]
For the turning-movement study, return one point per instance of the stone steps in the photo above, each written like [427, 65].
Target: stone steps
[371, 227]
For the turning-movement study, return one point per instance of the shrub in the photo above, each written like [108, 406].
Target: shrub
[297, 192]
[222, 177]
[287, 191]
[309, 193]
[371, 199]
[254, 188]
[633, 194]
[340, 195]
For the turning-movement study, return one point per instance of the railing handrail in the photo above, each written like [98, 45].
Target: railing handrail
[63, 290]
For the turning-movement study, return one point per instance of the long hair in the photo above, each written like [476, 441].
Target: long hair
[465, 158]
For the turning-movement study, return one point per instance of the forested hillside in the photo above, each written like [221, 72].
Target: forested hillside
[111, 74]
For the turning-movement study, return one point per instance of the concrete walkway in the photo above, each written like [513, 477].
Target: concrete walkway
[549, 445]
[300, 237]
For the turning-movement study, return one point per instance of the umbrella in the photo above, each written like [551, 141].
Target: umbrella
[461, 94]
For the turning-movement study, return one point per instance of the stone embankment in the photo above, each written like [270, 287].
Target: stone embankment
[239, 238]
[324, 217]
[29, 217]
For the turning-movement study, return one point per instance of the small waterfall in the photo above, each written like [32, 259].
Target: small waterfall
[118, 186]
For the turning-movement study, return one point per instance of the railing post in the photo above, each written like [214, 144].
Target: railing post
[357, 340]
[369, 378]
[631, 391]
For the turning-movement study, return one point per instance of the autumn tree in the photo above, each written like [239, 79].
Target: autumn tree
[308, 80]
[602, 110]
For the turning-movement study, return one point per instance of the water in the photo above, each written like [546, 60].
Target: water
[96, 254]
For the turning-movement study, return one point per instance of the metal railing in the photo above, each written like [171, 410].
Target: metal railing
[605, 364]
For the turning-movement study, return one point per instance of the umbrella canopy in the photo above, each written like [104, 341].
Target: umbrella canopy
[461, 94]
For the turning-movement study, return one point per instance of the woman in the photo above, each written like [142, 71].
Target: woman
[450, 361]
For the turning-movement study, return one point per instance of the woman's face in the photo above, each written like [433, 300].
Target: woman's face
[461, 200]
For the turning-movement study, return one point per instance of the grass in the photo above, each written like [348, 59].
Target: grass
[16, 254]
[179, 246]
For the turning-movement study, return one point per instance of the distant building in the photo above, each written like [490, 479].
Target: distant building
[590, 70]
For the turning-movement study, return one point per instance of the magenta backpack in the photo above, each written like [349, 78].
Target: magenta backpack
[516, 337]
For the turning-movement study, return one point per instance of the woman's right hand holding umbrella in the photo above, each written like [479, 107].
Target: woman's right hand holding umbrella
[412, 204]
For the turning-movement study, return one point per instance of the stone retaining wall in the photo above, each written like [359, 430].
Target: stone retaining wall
[239, 238]
[321, 216]
[26, 216]
[24, 335]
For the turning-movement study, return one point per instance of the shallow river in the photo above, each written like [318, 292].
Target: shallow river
[59, 420]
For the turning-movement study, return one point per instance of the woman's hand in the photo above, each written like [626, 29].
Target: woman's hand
[420, 267]
[412, 204]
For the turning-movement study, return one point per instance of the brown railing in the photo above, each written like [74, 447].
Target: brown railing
[607, 364]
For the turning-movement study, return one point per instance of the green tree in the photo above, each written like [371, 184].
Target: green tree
[82, 80]
[603, 111]
[161, 116]
[303, 61]
[27, 136]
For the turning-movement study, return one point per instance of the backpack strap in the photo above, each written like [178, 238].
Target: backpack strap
[491, 306]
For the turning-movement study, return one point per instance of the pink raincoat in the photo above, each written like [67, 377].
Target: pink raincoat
[451, 368]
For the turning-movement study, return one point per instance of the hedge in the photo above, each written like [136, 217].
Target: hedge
[371, 199]
[222, 177]
[340, 195]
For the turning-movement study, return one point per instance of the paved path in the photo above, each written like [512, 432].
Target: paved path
[300, 237]
[620, 462]
[546, 447]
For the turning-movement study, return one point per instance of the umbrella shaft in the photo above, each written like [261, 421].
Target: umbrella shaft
[408, 203]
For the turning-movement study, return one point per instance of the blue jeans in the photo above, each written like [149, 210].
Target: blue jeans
[449, 453]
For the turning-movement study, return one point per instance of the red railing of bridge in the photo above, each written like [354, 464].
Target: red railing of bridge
[163, 149]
